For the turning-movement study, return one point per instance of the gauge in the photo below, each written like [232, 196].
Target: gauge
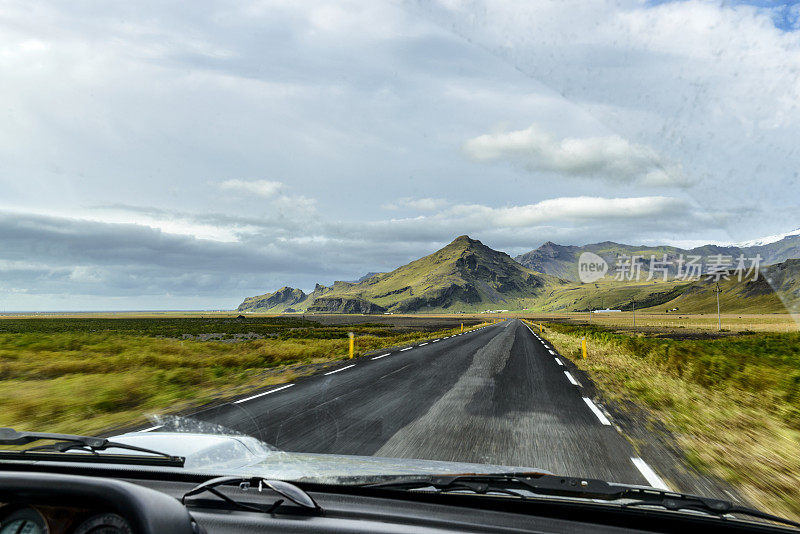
[103, 524]
[24, 521]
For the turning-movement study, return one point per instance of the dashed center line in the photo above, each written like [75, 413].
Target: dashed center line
[558, 361]
[262, 394]
[407, 348]
[381, 356]
[152, 428]
[652, 478]
[342, 369]
[595, 410]
[571, 379]
[551, 352]
[434, 341]
[422, 344]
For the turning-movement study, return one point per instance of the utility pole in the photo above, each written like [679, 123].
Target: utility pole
[633, 305]
[719, 317]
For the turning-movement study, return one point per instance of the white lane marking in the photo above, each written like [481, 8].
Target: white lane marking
[434, 341]
[551, 352]
[342, 369]
[558, 361]
[262, 394]
[422, 344]
[569, 377]
[595, 410]
[652, 478]
[407, 348]
[152, 428]
[381, 356]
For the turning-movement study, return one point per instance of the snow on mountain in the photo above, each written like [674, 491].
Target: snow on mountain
[766, 240]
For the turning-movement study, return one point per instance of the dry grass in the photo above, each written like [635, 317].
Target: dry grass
[677, 322]
[743, 428]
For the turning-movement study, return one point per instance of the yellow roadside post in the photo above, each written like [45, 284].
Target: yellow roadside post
[462, 328]
[352, 343]
[583, 346]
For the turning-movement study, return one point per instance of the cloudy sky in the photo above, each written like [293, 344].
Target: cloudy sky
[154, 156]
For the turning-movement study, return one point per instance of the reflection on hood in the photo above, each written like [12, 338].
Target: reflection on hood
[214, 449]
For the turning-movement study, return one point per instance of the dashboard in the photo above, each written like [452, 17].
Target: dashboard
[76, 501]
[15, 519]
[57, 503]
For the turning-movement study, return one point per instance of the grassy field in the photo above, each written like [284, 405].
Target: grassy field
[732, 403]
[680, 323]
[84, 375]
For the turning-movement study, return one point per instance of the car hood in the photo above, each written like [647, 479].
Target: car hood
[236, 454]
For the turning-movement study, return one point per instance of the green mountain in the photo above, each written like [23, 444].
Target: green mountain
[776, 290]
[464, 275]
[281, 299]
[468, 276]
[562, 261]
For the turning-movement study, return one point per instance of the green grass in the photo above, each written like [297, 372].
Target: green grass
[85, 376]
[165, 327]
[733, 403]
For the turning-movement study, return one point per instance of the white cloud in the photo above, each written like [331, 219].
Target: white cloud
[262, 188]
[610, 157]
[292, 206]
[419, 204]
[560, 210]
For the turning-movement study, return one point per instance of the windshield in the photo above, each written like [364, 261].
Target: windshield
[346, 240]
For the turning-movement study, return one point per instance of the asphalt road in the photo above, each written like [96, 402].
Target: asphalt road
[495, 395]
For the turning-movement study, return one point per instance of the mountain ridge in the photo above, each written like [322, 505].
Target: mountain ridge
[463, 272]
[562, 260]
[468, 276]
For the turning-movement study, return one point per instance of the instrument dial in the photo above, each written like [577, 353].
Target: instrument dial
[104, 524]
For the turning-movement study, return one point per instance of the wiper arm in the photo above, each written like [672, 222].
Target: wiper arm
[68, 442]
[508, 483]
[680, 501]
[520, 483]
[285, 489]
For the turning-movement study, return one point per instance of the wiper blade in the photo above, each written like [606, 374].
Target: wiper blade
[69, 442]
[284, 489]
[680, 501]
[509, 482]
[519, 484]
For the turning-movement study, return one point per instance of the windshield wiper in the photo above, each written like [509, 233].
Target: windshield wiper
[68, 442]
[285, 489]
[523, 484]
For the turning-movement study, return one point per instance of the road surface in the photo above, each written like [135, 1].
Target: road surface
[498, 395]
